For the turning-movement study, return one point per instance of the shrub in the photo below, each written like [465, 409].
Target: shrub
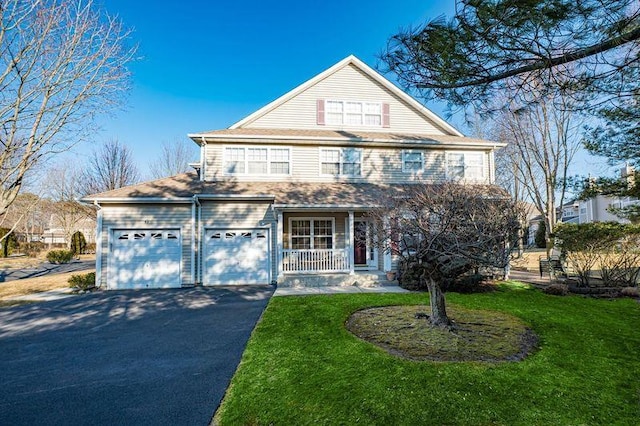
[8, 243]
[539, 237]
[78, 243]
[60, 256]
[557, 289]
[90, 248]
[83, 282]
[32, 249]
[630, 292]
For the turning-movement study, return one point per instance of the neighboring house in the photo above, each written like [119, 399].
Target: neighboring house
[282, 195]
[597, 209]
[569, 212]
[58, 233]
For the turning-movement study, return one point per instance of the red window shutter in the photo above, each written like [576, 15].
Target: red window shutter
[385, 115]
[320, 112]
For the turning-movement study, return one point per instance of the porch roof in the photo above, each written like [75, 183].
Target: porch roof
[184, 186]
[322, 195]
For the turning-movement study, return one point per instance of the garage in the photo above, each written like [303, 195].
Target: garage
[143, 258]
[236, 256]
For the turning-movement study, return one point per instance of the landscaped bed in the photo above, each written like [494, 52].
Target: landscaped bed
[302, 366]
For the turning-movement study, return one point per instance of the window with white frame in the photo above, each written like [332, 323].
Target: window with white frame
[353, 113]
[412, 161]
[257, 160]
[341, 161]
[465, 165]
[311, 234]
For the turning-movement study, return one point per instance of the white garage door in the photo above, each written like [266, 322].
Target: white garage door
[236, 257]
[145, 259]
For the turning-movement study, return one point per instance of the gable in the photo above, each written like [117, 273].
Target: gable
[348, 81]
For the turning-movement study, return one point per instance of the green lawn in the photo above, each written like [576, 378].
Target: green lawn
[302, 366]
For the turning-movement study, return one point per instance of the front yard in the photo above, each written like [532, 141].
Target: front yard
[302, 366]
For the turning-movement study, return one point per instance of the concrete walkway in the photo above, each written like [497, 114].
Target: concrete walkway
[530, 278]
[45, 296]
[301, 291]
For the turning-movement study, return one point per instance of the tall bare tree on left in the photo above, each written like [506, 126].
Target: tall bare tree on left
[62, 64]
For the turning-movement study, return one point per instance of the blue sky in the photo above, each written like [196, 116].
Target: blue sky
[206, 64]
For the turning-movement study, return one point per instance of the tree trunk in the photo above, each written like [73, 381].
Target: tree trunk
[438, 316]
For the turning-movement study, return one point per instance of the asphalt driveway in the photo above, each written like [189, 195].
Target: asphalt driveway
[46, 268]
[124, 357]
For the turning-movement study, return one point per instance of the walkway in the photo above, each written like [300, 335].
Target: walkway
[300, 291]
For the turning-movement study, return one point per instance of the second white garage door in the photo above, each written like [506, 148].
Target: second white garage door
[142, 258]
[236, 257]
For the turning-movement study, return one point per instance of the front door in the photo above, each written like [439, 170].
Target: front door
[360, 243]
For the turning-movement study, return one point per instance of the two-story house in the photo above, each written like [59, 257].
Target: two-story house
[282, 195]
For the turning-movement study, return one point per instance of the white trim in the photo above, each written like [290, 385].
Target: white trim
[156, 200]
[268, 161]
[412, 151]
[351, 243]
[350, 60]
[99, 221]
[341, 162]
[311, 235]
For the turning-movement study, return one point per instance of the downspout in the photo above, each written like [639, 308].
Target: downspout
[98, 245]
[203, 158]
[193, 240]
[196, 232]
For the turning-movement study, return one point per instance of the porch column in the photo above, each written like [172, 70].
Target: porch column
[351, 243]
[279, 245]
[387, 245]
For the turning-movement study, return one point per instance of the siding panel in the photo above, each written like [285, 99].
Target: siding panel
[348, 84]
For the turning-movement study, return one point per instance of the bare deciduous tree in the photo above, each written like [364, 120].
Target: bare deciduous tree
[110, 167]
[65, 188]
[174, 159]
[61, 64]
[447, 230]
[543, 139]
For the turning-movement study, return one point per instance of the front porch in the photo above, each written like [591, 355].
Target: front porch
[315, 245]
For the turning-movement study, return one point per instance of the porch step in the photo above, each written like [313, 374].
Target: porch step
[358, 279]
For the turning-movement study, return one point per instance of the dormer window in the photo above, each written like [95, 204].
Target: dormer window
[352, 113]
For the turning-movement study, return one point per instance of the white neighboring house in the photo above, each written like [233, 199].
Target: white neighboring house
[283, 194]
[56, 234]
[596, 209]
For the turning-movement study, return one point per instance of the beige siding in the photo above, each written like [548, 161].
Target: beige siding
[347, 84]
[378, 165]
[148, 216]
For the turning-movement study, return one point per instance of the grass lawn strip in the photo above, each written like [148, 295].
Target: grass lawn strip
[302, 366]
[477, 335]
[36, 285]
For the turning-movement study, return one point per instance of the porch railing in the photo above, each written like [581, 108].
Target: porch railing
[310, 261]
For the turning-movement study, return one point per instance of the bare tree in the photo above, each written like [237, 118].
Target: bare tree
[65, 188]
[543, 139]
[62, 63]
[110, 167]
[446, 230]
[174, 159]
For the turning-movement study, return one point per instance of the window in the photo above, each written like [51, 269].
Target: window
[412, 161]
[341, 161]
[257, 160]
[310, 234]
[465, 165]
[353, 113]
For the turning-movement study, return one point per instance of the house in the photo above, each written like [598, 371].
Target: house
[282, 195]
[599, 208]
